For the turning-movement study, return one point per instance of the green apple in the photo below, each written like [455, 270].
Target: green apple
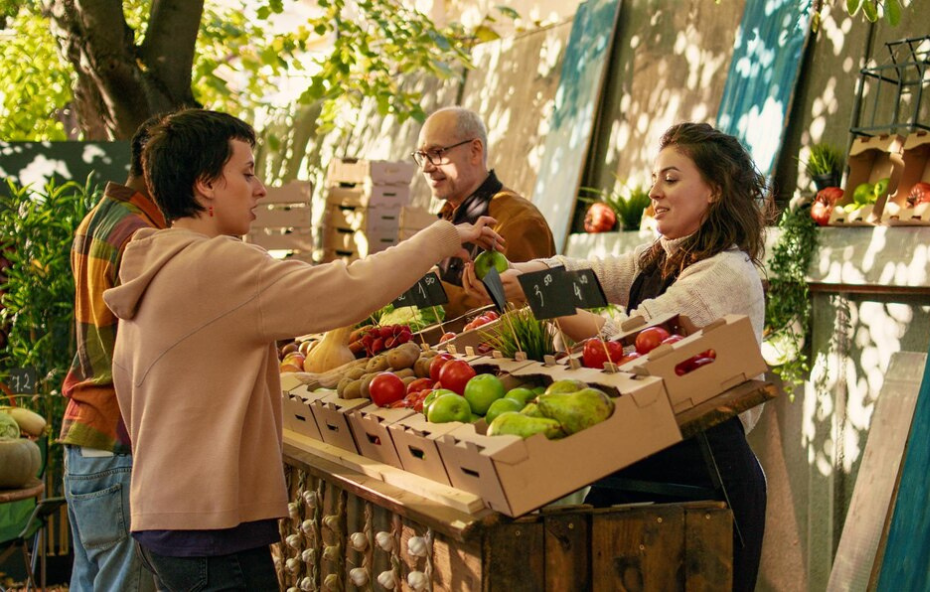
[864, 194]
[881, 186]
[502, 406]
[482, 390]
[522, 394]
[449, 407]
[488, 259]
[432, 397]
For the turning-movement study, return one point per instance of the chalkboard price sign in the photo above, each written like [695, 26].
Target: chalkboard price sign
[426, 293]
[586, 289]
[549, 293]
[22, 381]
[492, 283]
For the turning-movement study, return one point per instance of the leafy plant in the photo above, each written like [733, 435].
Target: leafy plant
[520, 331]
[37, 302]
[628, 204]
[825, 159]
[788, 305]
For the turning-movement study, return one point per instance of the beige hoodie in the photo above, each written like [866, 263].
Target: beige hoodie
[196, 371]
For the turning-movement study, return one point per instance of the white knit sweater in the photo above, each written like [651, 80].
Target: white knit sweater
[727, 283]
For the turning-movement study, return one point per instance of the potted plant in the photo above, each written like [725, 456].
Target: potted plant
[824, 165]
[626, 211]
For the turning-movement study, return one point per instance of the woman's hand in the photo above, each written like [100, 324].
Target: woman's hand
[480, 233]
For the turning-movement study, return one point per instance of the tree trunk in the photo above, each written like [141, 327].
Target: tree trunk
[121, 84]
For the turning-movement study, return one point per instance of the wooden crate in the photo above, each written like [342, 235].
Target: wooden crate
[283, 219]
[350, 171]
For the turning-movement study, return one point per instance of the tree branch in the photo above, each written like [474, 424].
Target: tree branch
[168, 49]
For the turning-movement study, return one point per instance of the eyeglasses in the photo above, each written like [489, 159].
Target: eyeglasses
[435, 156]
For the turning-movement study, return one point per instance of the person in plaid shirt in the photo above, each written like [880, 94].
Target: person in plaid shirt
[98, 457]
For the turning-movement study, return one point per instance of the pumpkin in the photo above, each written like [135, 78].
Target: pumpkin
[331, 353]
[20, 461]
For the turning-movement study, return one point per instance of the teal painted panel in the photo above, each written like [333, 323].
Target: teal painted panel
[572, 121]
[763, 74]
[37, 163]
[906, 562]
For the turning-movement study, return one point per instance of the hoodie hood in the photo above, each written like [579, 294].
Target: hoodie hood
[146, 254]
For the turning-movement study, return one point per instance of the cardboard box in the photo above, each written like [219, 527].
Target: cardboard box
[370, 172]
[282, 239]
[916, 159]
[738, 357]
[369, 425]
[413, 220]
[415, 442]
[433, 333]
[870, 160]
[298, 415]
[358, 241]
[515, 476]
[291, 193]
[331, 414]
[363, 218]
[282, 215]
[392, 196]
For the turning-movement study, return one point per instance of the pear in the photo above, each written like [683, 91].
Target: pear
[517, 424]
[566, 385]
[531, 410]
[576, 411]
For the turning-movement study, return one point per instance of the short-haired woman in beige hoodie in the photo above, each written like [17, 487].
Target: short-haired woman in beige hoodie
[195, 364]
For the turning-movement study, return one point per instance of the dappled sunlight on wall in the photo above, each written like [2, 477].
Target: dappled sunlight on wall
[513, 88]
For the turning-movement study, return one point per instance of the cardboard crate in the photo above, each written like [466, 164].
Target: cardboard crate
[515, 476]
[363, 218]
[392, 196]
[279, 215]
[916, 158]
[345, 255]
[371, 172]
[738, 356]
[331, 414]
[282, 239]
[870, 159]
[415, 443]
[369, 425]
[433, 333]
[413, 220]
[358, 241]
[298, 415]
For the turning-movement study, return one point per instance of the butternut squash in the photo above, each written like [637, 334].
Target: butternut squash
[29, 421]
[331, 353]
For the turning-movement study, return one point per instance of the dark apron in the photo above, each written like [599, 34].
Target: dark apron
[682, 473]
[474, 206]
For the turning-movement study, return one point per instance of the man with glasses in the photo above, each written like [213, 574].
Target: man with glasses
[453, 157]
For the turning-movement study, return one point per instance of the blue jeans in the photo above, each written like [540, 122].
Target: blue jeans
[97, 491]
[251, 570]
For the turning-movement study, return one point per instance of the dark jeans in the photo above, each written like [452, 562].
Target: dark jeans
[251, 570]
[684, 464]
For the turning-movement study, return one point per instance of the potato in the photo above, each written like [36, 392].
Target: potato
[353, 390]
[378, 364]
[404, 356]
[341, 386]
[356, 372]
[365, 381]
[408, 379]
[421, 367]
[405, 372]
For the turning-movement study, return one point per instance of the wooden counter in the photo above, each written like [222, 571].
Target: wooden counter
[339, 498]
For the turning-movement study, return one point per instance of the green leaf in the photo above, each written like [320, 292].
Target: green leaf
[870, 10]
[852, 6]
[893, 12]
[507, 11]
[485, 34]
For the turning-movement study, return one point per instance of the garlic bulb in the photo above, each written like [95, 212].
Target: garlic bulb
[331, 522]
[306, 584]
[292, 510]
[307, 526]
[293, 541]
[417, 580]
[416, 546]
[293, 565]
[332, 552]
[386, 579]
[332, 583]
[385, 541]
[293, 589]
[358, 541]
[359, 576]
[307, 555]
[310, 498]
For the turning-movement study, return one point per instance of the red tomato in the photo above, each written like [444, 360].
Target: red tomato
[829, 195]
[599, 218]
[419, 384]
[386, 388]
[491, 315]
[649, 339]
[820, 212]
[711, 353]
[596, 352]
[920, 193]
[436, 365]
[446, 337]
[674, 338]
[455, 374]
[692, 364]
[478, 321]
[627, 358]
